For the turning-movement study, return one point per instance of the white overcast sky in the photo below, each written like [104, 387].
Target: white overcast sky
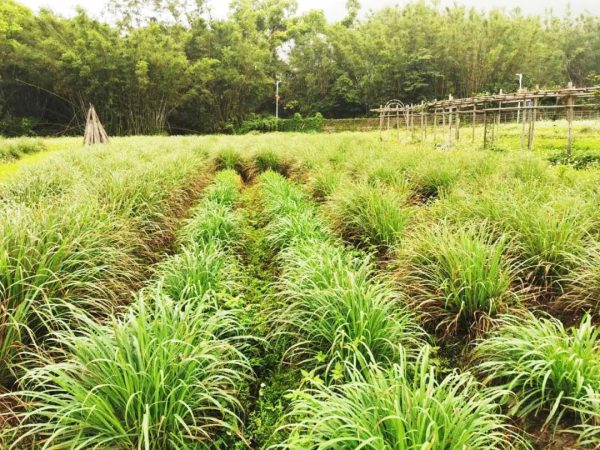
[334, 9]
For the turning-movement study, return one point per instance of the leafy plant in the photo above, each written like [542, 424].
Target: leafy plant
[230, 159]
[371, 215]
[338, 311]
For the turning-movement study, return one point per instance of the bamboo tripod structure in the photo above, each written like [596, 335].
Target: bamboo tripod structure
[94, 131]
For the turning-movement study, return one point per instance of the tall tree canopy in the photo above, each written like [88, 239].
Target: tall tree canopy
[168, 66]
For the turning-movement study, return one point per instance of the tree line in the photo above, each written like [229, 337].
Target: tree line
[168, 66]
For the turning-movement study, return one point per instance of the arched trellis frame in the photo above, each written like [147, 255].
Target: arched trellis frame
[390, 114]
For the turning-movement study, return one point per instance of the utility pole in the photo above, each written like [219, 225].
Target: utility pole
[277, 99]
[520, 77]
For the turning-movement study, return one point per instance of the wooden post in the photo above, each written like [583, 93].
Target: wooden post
[457, 124]
[532, 124]
[523, 128]
[474, 120]
[570, 111]
[388, 119]
[422, 124]
[381, 122]
[398, 122]
[449, 126]
[434, 125]
[485, 128]
[412, 124]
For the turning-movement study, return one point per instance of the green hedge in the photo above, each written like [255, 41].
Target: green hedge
[269, 124]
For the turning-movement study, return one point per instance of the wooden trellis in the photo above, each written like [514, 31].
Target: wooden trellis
[488, 110]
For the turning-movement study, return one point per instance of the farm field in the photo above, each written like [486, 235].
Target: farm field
[302, 291]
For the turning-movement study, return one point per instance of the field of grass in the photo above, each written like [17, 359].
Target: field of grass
[302, 291]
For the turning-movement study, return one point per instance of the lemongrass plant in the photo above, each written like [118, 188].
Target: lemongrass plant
[373, 215]
[338, 312]
[460, 276]
[56, 262]
[550, 370]
[165, 376]
[400, 408]
[583, 283]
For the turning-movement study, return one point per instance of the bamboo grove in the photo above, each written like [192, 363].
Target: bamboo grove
[169, 67]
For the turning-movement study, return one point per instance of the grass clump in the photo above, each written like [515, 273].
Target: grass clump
[399, 408]
[225, 188]
[268, 160]
[552, 371]
[338, 311]
[460, 276]
[201, 270]
[375, 216]
[56, 263]
[547, 235]
[12, 149]
[230, 159]
[165, 376]
[583, 288]
[324, 183]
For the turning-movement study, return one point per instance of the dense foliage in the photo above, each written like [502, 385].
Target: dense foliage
[168, 66]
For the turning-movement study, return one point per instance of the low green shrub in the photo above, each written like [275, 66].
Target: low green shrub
[269, 124]
[11, 149]
[579, 161]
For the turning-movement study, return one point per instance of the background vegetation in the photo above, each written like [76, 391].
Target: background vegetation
[167, 66]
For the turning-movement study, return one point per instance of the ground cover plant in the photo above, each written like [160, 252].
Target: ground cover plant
[300, 291]
[550, 369]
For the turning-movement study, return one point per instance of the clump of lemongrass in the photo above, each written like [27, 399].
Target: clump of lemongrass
[401, 407]
[460, 276]
[164, 376]
[551, 370]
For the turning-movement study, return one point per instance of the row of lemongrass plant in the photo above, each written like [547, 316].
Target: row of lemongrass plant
[475, 267]
[76, 232]
[374, 383]
[166, 373]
